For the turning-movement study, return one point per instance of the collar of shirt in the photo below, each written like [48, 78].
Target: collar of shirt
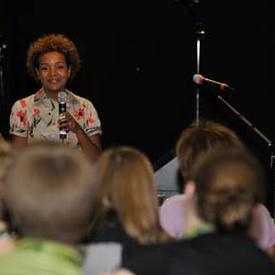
[41, 96]
[199, 230]
[69, 253]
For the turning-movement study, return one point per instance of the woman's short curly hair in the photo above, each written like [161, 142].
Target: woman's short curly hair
[53, 42]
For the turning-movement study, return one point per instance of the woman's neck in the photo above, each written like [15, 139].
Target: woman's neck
[52, 94]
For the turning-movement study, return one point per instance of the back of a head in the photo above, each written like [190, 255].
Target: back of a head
[197, 140]
[6, 159]
[49, 193]
[229, 183]
[127, 186]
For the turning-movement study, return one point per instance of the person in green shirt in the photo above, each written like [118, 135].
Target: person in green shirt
[50, 201]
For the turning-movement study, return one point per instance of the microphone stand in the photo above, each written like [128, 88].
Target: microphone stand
[200, 36]
[193, 6]
[269, 143]
[3, 47]
[194, 11]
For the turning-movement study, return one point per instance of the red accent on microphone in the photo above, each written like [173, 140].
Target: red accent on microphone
[201, 79]
[222, 86]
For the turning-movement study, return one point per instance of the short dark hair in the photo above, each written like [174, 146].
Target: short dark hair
[49, 43]
[198, 139]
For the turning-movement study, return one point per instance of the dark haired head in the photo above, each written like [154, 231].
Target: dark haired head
[51, 43]
[229, 183]
[197, 140]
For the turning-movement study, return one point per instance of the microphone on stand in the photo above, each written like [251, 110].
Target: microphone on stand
[187, 2]
[201, 80]
[62, 102]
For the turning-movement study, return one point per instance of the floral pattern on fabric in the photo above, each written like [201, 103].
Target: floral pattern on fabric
[36, 117]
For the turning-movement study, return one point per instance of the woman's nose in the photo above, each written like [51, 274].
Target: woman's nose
[52, 71]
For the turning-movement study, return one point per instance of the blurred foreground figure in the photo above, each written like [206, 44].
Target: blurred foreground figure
[194, 142]
[50, 201]
[222, 190]
[129, 208]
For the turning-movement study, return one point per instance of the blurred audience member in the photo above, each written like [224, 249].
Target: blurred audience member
[194, 142]
[222, 190]
[129, 207]
[50, 201]
[7, 241]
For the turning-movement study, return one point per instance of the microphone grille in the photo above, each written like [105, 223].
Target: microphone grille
[62, 97]
[197, 78]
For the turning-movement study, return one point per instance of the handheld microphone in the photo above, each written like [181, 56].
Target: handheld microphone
[62, 101]
[201, 80]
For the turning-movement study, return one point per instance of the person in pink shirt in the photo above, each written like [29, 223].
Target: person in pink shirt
[194, 142]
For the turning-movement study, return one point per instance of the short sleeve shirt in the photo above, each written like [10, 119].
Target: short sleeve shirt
[36, 117]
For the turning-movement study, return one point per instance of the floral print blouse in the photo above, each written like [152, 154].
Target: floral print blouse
[36, 117]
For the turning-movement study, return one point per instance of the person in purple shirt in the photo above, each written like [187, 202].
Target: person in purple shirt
[195, 141]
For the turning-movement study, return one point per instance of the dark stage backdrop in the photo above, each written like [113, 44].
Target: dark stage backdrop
[138, 59]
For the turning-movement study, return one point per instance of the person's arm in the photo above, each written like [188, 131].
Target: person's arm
[262, 229]
[19, 141]
[271, 252]
[91, 146]
[19, 123]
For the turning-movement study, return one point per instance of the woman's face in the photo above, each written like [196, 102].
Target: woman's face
[53, 71]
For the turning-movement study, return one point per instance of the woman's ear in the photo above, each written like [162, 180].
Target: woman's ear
[37, 74]
[190, 188]
[69, 71]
